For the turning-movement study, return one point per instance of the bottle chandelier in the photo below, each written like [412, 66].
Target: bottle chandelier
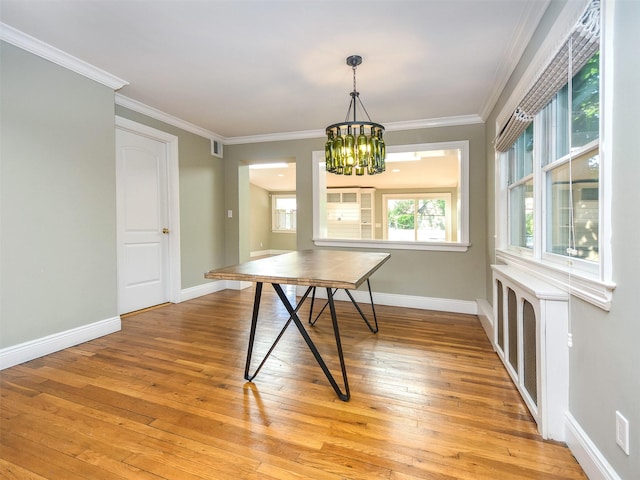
[355, 146]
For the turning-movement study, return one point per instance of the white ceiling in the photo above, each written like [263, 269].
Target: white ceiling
[244, 68]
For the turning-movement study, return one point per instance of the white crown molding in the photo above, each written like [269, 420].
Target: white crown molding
[274, 137]
[390, 127]
[433, 122]
[152, 112]
[514, 49]
[44, 50]
[156, 114]
[140, 107]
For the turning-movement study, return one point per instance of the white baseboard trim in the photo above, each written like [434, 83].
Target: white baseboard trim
[591, 460]
[212, 287]
[237, 285]
[262, 253]
[40, 347]
[395, 300]
[407, 301]
[485, 313]
[424, 303]
[200, 290]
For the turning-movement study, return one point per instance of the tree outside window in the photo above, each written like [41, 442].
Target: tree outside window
[420, 217]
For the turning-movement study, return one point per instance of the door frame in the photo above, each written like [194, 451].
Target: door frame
[173, 197]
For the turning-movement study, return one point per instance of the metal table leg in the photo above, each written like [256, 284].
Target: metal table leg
[293, 316]
[254, 324]
[344, 396]
[374, 329]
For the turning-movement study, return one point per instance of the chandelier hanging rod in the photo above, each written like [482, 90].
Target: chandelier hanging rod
[355, 146]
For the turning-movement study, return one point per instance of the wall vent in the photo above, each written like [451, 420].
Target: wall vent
[530, 335]
[216, 148]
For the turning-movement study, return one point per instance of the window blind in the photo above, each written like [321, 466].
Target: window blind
[582, 43]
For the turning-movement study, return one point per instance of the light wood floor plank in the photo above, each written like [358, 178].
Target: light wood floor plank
[165, 398]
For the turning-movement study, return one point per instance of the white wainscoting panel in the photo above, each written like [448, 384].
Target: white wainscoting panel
[536, 354]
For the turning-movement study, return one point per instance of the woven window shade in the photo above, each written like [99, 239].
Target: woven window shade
[582, 44]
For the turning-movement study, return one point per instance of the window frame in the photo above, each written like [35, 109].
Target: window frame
[274, 199]
[585, 267]
[589, 281]
[462, 245]
[446, 196]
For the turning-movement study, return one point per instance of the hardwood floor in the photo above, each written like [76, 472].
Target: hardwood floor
[165, 398]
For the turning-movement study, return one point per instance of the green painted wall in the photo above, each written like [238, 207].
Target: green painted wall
[420, 273]
[202, 210]
[260, 223]
[58, 216]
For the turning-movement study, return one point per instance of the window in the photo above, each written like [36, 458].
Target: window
[553, 193]
[555, 219]
[417, 218]
[566, 149]
[283, 213]
[520, 166]
[570, 160]
[572, 195]
[420, 202]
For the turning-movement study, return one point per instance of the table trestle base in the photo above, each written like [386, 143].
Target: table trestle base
[374, 329]
[293, 316]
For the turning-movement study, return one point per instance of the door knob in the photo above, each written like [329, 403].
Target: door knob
[165, 231]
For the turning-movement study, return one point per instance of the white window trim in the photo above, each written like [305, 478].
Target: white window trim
[596, 292]
[595, 289]
[274, 197]
[463, 198]
[576, 276]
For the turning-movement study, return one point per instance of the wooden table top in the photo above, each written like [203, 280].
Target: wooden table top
[319, 268]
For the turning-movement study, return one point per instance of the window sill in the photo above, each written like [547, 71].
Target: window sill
[589, 289]
[385, 244]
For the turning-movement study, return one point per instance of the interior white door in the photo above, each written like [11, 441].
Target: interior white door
[142, 221]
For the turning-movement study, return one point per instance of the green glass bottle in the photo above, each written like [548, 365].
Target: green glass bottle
[383, 152]
[328, 152]
[363, 149]
[349, 149]
[338, 151]
[375, 152]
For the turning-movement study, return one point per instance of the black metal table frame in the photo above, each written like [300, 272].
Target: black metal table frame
[293, 316]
